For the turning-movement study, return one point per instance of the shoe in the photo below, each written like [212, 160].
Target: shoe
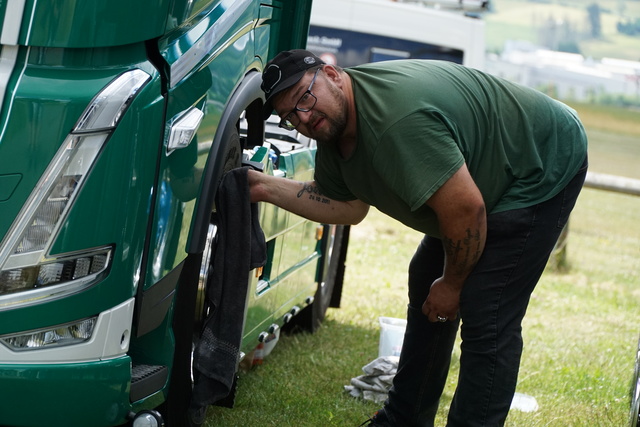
[379, 419]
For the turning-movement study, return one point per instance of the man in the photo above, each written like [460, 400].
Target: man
[487, 169]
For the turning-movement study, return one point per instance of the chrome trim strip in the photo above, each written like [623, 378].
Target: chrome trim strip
[33, 14]
[262, 286]
[205, 44]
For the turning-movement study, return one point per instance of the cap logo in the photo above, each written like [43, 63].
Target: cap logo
[309, 60]
[272, 73]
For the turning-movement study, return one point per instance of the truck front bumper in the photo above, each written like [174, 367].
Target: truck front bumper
[56, 395]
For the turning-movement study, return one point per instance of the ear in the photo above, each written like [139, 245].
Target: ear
[332, 74]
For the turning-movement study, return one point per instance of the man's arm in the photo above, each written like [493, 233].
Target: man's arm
[304, 199]
[462, 219]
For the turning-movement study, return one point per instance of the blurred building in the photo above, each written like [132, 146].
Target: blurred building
[566, 75]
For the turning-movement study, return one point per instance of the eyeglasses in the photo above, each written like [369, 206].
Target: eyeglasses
[306, 102]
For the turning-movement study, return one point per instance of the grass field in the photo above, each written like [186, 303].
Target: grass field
[614, 139]
[518, 19]
[580, 332]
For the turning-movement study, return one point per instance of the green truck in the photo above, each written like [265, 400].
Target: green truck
[118, 121]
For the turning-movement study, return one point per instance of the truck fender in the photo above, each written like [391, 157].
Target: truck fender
[248, 96]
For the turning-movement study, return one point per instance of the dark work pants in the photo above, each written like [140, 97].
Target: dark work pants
[493, 302]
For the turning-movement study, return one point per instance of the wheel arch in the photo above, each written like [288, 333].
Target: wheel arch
[247, 96]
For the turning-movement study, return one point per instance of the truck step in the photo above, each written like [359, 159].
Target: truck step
[146, 380]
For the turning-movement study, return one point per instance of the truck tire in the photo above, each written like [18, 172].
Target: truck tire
[192, 309]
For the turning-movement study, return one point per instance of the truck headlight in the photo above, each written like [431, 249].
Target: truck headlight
[62, 276]
[56, 336]
[26, 267]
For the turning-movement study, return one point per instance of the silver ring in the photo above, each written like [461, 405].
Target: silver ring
[441, 319]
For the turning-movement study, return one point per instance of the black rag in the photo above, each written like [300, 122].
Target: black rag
[240, 248]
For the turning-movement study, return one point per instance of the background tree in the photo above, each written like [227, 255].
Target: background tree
[558, 34]
[593, 11]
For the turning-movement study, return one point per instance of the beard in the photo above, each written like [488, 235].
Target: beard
[333, 131]
[336, 124]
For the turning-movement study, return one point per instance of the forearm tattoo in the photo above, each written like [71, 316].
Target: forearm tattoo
[314, 193]
[463, 253]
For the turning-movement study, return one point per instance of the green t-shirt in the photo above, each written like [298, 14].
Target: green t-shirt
[419, 121]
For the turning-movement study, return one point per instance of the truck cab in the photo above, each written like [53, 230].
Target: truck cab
[118, 121]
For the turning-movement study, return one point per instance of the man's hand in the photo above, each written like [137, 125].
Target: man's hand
[443, 301]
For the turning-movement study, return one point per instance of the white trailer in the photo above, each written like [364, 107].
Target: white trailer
[351, 32]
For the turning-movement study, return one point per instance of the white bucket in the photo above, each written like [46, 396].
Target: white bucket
[391, 336]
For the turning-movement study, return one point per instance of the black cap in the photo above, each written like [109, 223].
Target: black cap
[283, 71]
